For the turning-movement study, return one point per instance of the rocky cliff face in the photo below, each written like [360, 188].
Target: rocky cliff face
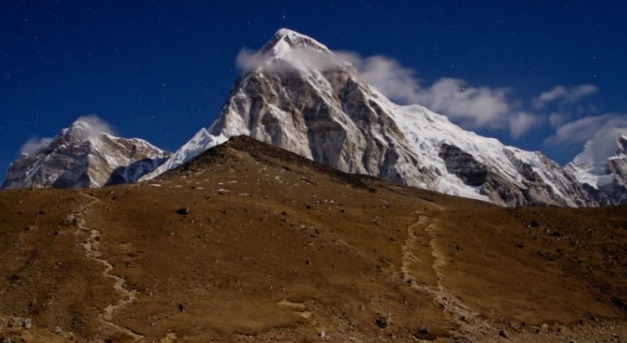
[82, 158]
[327, 117]
[602, 168]
[300, 96]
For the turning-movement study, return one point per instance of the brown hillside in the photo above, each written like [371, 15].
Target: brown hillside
[250, 243]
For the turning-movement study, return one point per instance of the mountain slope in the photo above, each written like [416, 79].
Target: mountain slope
[300, 96]
[602, 166]
[82, 157]
[249, 242]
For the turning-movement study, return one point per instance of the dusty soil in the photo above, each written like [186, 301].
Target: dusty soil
[249, 243]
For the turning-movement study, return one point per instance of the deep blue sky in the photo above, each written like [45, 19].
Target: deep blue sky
[160, 70]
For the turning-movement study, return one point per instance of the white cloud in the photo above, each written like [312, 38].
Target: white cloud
[603, 144]
[557, 119]
[470, 107]
[473, 107]
[566, 103]
[564, 95]
[34, 144]
[522, 122]
[95, 125]
[580, 131]
[91, 125]
[386, 75]
[248, 60]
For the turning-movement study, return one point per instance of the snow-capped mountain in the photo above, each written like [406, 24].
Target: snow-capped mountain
[602, 167]
[300, 96]
[81, 156]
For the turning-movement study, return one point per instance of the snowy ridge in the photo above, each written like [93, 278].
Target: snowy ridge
[201, 141]
[428, 131]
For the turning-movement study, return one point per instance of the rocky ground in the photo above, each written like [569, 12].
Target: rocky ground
[252, 244]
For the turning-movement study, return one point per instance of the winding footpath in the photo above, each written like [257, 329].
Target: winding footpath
[469, 322]
[92, 248]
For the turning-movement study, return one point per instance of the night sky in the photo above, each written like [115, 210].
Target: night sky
[540, 75]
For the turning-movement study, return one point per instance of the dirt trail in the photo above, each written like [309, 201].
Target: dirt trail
[93, 252]
[470, 324]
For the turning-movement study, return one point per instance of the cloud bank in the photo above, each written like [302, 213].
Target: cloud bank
[472, 107]
[564, 95]
[95, 125]
[586, 128]
[248, 60]
[598, 132]
[35, 144]
[469, 106]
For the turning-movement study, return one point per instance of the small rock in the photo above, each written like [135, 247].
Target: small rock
[26, 323]
[503, 334]
[618, 302]
[381, 321]
[544, 327]
[182, 211]
[182, 308]
[424, 334]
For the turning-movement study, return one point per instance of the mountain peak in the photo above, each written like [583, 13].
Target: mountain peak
[289, 50]
[282, 32]
[285, 40]
[603, 165]
[598, 149]
[78, 131]
[86, 127]
[85, 155]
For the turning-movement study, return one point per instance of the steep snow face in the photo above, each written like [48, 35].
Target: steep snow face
[473, 166]
[81, 157]
[602, 165]
[201, 141]
[296, 94]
